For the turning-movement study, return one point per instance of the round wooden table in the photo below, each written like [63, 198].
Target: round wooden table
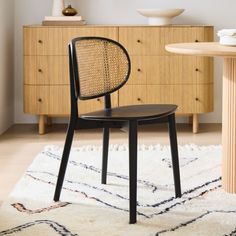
[229, 102]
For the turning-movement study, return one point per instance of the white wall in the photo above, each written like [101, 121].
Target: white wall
[218, 13]
[6, 64]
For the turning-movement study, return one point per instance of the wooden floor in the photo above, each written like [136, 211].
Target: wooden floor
[21, 143]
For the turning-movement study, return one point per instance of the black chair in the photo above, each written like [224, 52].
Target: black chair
[98, 67]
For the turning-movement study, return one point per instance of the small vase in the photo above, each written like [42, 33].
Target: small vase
[69, 11]
[57, 7]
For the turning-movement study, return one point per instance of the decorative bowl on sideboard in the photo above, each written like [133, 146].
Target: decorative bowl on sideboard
[160, 16]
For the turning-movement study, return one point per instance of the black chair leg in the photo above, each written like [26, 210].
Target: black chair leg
[105, 154]
[132, 171]
[174, 154]
[64, 161]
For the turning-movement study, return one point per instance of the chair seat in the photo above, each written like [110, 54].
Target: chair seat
[134, 112]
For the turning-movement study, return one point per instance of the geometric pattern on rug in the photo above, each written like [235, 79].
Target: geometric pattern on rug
[89, 208]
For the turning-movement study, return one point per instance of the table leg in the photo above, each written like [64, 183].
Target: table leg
[229, 126]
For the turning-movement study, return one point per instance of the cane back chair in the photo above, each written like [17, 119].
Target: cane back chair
[98, 67]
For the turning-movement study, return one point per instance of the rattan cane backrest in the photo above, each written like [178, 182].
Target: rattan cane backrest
[103, 66]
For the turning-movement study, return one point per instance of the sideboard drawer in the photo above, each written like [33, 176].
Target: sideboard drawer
[179, 70]
[51, 100]
[171, 70]
[55, 100]
[190, 99]
[132, 95]
[36, 99]
[139, 70]
[54, 40]
[43, 41]
[152, 40]
[46, 70]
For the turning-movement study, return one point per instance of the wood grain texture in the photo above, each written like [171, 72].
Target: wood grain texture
[152, 40]
[229, 101]
[46, 68]
[229, 126]
[55, 100]
[132, 95]
[171, 70]
[190, 99]
[54, 40]
[166, 78]
[202, 49]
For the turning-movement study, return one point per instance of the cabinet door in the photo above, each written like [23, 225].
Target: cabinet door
[152, 40]
[46, 70]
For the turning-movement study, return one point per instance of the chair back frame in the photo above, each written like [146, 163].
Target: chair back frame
[74, 71]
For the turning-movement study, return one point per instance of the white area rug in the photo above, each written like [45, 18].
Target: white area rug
[89, 208]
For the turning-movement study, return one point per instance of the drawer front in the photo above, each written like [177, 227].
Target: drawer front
[139, 70]
[152, 40]
[205, 96]
[36, 99]
[54, 40]
[46, 70]
[86, 106]
[171, 70]
[189, 98]
[55, 100]
[46, 100]
[132, 95]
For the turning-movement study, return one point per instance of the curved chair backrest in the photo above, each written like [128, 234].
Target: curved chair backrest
[98, 66]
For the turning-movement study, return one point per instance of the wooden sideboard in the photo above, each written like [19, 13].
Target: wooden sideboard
[157, 76]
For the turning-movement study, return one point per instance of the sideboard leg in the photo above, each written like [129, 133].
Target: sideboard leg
[195, 123]
[42, 124]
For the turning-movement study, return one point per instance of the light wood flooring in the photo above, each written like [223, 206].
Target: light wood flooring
[21, 143]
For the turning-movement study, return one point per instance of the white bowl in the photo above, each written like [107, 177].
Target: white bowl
[228, 40]
[227, 37]
[160, 16]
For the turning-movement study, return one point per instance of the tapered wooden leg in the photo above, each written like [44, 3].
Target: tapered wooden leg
[132, 171]
[42, 124]
[64, 161]
[195, 123]
[229, 126]
[174, 154]
[105, 154]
